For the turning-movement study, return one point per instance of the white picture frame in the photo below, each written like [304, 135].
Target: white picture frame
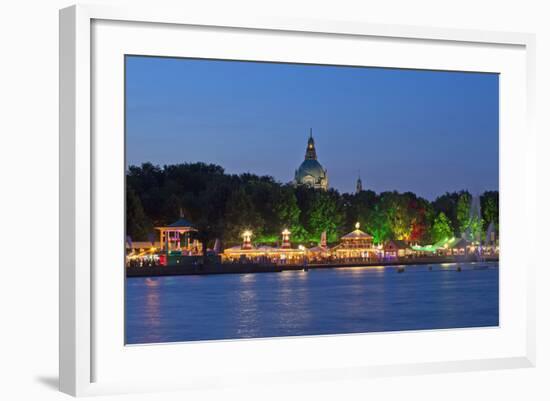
[85, 335]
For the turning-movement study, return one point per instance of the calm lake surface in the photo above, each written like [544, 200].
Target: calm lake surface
[323, 301]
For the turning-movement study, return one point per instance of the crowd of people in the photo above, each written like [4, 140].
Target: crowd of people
[143, 261]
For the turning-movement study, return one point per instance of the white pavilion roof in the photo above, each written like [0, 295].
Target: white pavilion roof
[357, 234]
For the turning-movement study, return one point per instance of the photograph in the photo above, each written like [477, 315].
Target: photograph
[277, 201]
[274, 199]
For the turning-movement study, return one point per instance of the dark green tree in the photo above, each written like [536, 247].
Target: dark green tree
[441, 228]
[224, 205]
[171, 209]
[378, 225]
[241, 215]
[463, 213]
[287, 213]
[489, 209]
[138, 225]
[359, 208]
[325, 215]
[447, 204]
[395, 209]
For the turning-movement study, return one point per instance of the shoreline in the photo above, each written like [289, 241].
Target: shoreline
[246, 268]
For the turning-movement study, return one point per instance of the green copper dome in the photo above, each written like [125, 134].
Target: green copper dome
[310, 172]
[310, 167]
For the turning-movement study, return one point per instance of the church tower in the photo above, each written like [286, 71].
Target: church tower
[310, 172]
[359, 185]
[311, 154]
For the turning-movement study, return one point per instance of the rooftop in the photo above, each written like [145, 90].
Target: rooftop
[357, 234]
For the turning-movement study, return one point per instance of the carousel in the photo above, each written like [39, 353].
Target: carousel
[356, 244]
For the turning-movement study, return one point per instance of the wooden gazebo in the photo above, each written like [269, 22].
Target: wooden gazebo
[175, 236]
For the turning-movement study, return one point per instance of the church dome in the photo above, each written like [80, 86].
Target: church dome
[310, 167]
[310, 172]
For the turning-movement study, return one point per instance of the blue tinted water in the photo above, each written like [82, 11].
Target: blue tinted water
[324, 301]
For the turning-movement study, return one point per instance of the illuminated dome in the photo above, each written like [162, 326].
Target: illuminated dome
[310, 172]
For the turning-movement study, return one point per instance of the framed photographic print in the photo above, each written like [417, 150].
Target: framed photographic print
[271, 197]
[221, 187]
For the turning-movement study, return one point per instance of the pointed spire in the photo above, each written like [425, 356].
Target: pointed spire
[311, 154]
[359, 185]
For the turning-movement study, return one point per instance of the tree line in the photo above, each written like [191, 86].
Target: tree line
[223, 205]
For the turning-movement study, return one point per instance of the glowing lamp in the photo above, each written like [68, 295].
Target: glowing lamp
[247, 234]
[286, 238]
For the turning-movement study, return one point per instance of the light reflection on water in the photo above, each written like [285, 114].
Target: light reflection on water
[247, 308]
[293, 317]
[151, 311]
[323, 301]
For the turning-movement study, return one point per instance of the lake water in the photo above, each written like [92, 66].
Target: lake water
[323, 301]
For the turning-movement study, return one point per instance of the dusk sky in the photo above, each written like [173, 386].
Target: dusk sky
[422, 131]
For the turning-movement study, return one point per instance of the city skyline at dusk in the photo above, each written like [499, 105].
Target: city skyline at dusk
[426, 132]
[212, 256]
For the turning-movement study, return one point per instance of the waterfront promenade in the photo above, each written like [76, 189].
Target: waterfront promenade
[236, 268]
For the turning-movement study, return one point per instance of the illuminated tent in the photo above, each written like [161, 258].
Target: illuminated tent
[320, 251]
[237, 252]
[444, 244]
[395, 248]
[356, 244]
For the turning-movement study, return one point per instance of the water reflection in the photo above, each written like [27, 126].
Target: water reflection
[247, 308]
[322, 301]
[292, 299]
[152, 311]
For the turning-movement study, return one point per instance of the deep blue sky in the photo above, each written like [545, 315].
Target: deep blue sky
[422, 131]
